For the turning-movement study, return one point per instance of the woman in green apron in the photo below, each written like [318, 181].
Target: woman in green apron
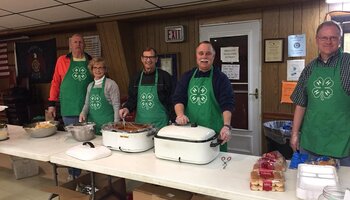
[207, 94]
[102, 100]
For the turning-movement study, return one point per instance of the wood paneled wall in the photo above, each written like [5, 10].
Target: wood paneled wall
[277, 22]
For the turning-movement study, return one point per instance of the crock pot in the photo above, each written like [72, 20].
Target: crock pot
[128, 137]
[189, 143]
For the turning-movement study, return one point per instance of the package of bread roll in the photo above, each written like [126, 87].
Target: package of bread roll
[275, 157]
[263, 183]
[269, 165]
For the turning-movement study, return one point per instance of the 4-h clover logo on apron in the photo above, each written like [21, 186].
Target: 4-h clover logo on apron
[95, 102]
[323, 88]
[147, 100]
[198, 95]
[79, 73]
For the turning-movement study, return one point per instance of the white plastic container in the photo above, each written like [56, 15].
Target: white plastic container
[311, 180]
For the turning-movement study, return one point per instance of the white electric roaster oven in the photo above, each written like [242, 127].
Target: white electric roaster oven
[189, 143]
[130, 137]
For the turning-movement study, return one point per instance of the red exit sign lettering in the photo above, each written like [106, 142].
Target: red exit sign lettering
[174, 34]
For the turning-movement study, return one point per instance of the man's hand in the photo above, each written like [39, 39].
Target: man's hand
[225, 134]
[123, 112]
[82, 118]
[51, 111]
[182, 120]
[294, 141]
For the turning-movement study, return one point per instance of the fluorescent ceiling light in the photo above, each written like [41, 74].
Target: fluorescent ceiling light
[337, 1]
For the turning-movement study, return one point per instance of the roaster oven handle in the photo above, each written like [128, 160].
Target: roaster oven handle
[218, 142]
[151, 132]
[90, 144]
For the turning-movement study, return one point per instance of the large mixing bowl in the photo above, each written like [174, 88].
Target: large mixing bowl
[82, 132]
[41, 129]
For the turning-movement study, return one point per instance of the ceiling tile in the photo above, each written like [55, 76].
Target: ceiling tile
[3, 12]
[171, 3]
[16, 6]
[15, 21]
[57, 14]
[70, 1]
[110, 7]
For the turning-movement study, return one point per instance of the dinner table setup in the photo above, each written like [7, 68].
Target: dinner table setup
[181, 157]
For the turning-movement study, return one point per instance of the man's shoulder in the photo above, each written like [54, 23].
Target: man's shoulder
[63, 57]
[63, 60]
[218, 72]
[163, 72]
[346, 55]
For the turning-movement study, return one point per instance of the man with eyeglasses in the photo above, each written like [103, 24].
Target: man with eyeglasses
[204, 95]
[150, 93]
[321, 125]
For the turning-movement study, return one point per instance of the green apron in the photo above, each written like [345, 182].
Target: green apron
[149, 109]
[73, 88]
[100, 110]
[202, 107]
[326, 126]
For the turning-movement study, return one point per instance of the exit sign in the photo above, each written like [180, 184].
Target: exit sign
[174, 34]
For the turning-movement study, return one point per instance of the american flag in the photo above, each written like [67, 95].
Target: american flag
[4, 67]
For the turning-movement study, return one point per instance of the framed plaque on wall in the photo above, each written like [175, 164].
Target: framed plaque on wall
[168, 62]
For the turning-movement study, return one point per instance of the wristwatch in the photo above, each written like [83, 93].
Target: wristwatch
[228, 126]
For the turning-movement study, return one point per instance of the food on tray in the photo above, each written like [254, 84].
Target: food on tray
[262, 183]
[44, 125]
[325, 160]
[128, 127]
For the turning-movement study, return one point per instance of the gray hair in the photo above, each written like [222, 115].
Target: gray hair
[330, 23]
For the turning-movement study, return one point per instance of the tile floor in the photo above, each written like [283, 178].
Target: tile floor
[23, 189]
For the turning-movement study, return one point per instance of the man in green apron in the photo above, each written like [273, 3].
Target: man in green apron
[322, 98]
[204, 95]
[150, 93]
[68, 85]
[69, 82]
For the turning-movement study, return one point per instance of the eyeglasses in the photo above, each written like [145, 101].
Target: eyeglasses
[326, 39]
[148, 57]
[98, 68]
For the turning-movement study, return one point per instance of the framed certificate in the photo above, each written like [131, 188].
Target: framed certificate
[273, 50]
[168, 62]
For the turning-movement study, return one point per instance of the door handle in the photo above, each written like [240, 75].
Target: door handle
[256, 94]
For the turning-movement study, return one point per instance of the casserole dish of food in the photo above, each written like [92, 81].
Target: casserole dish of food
[190, 143]
[41, 129]
[128, 137]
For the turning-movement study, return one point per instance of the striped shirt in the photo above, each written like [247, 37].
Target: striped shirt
[299, 95]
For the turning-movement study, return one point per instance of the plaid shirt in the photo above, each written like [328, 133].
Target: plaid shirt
[299, 95]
